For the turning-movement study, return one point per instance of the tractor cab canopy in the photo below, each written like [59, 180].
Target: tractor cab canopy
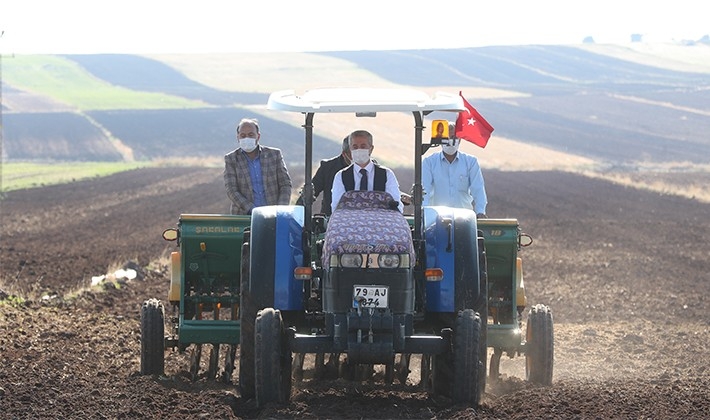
[366, 102]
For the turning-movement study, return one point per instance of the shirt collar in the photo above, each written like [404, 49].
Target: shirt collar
[370, 166]
[443, 157]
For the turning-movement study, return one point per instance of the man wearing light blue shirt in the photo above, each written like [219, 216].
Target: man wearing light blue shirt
[454, 179]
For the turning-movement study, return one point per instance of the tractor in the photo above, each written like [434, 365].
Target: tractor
[366, 286]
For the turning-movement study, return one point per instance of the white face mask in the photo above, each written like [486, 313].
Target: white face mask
[247, 144]
[360, 156]
[451, 149]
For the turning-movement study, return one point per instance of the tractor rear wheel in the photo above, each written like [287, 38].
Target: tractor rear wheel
[455, 374]
[539, 354]
[466, 359]
[247, 316]
[482, 309]
[272, 357]
[152, 337]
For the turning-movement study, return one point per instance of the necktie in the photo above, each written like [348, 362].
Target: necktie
[363, 179]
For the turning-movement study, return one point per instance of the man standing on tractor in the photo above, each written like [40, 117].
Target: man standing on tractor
[255, 175]
[368, 176]
[323, 179]
[453, 178]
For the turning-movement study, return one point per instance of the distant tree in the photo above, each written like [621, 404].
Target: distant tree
[588, 40]
[704, 40]
[636, 38]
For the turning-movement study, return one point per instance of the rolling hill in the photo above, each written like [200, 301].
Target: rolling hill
[623, 270]
[592, 108]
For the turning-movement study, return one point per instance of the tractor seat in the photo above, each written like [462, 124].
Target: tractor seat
[364, 223]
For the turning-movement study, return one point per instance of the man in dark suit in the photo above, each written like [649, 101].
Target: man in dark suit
[323, 179]
[255, 175]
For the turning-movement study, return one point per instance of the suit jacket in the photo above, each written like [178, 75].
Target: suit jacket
[277, 181]
[323, 181]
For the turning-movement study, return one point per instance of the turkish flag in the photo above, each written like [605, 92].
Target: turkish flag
[471, 126]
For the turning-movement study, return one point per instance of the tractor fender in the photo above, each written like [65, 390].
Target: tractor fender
[451, 244]
[275, 251]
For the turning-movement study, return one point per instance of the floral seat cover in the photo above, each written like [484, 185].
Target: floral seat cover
[364, 222]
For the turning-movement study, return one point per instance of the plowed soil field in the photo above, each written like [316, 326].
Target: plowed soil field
[625, 272]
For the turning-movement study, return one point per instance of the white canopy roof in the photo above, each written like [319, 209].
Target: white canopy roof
[331, 100]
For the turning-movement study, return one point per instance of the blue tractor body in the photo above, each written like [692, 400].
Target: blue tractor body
[366, 286]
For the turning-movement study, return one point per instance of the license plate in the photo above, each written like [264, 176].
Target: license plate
[370, 296]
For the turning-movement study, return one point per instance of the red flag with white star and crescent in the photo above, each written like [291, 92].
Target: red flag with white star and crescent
[471, 126]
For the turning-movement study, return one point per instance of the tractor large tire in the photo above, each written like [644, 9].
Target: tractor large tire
[273, 358]
[455, 374]
[152, 337]
[247, 317]
[466, 358]
[257, 290]
[540, 346]
[482, 309]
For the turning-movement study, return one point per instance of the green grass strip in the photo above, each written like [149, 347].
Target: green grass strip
[24, 175]
[65, 81]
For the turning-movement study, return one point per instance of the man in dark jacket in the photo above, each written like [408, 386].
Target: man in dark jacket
[323, 179]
